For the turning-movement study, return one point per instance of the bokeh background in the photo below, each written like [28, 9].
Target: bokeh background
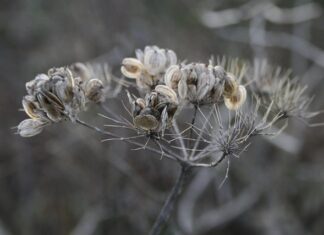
[65, 181]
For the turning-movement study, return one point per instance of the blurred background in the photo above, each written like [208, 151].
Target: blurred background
[65, 181]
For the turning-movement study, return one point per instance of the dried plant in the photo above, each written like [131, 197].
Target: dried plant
[226, 113]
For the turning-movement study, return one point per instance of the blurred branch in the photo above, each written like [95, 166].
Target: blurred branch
[89, 221]
[276, 39]
[272, 13]
[231, 210]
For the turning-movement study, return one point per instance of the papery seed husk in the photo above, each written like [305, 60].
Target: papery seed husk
[30, 107]
[202, 86]
[230, 85]
[132, 68]
[167, 91]
[30, 127]
[155, 61]
[182, 89]
[171, 57]
[139, 55]
[94, 90]
[172, 76]
[51, 109]
[237, 100]
[146, 122]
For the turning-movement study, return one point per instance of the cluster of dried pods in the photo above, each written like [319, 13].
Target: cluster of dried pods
[155, 112]
[149, 66]
[56, 96]
[196, 83]
[63, 92]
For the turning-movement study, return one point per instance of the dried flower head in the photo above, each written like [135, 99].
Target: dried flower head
[276, 87]
[154, 113]
[202, 84]
[56, 96]
[149, 67]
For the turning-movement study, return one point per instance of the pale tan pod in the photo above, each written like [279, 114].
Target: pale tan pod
[30, 127]
[172, 76]
[230, 85]
[94, 90]
[155, 61]
[183, 88]
[146, 122]
[237, 100]
[29, 107]
[202, 86]
[171, 57]
[131, 68]
[139, 55]
[167, 91]
[140, 102]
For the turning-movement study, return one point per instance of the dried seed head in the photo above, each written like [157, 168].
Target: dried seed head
[230, 85]
[132, 68]
[31, 127]
[94, 90]
[237, 99]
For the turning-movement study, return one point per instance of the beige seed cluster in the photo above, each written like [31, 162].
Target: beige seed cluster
[149, 66]
[155, 112]
[56, 96]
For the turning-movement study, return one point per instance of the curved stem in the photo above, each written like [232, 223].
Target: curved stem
[169, 204]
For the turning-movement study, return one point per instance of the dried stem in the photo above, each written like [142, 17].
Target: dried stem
[168, 206]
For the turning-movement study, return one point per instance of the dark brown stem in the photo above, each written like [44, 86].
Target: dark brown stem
[169, 204]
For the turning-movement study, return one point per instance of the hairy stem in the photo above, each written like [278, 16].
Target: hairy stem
[169, 204]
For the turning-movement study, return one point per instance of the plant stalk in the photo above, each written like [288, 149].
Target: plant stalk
[169, 204]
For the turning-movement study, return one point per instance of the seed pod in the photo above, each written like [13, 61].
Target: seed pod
[183, 88]
[94, 90]
[230, 86]
[172, 76]
[146, 122]
[132, 68]
[139, 55]
[51, 108]
[171, 58]
[139, 105]
[203, 86]
[237, 100]
[154, 60]
[30, 107]
[30, 127]
[168, 92]
[151, 99]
